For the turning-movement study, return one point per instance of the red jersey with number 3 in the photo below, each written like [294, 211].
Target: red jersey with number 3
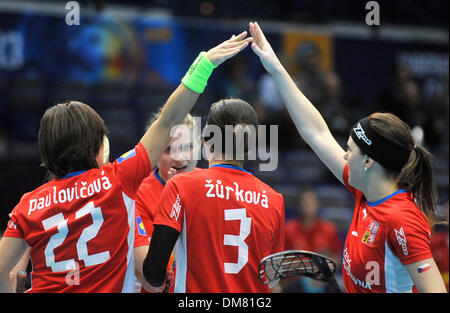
[81, 228]
[228, 221]
[383, 238]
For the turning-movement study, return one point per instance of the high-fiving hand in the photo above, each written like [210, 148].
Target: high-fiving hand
[228, 48]
[263, 49]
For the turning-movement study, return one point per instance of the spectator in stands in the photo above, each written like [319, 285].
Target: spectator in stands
[324, 87]
[437, 108]
[404, 99]
[238, 83]
[334, 109]
[310, 232]
[309, 74]
[269, 104]
[424, 107]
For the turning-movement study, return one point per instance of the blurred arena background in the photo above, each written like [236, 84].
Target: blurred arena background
[126, 57]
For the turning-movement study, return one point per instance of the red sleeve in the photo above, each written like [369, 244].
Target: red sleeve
[409, 236]
[144, 211]
[141, 237]
[345, 178]
[13, 228]
[170, 209]
[131, 168]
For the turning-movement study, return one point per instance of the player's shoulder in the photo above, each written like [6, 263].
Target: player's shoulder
[402, 202]
[403, 209]
[134, 152]
[152, 179]
[27, 196]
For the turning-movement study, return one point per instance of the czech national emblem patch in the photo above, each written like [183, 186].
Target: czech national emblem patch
[371, 233]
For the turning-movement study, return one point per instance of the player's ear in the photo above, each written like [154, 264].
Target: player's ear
[207, 148]
[368, 162]
[99, 158]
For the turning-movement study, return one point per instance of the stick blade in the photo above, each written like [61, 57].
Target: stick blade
[293, 263]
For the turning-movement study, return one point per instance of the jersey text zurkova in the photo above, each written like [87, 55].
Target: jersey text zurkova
[219, 190]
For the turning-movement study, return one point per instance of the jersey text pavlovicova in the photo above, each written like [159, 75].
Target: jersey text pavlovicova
[66, 195]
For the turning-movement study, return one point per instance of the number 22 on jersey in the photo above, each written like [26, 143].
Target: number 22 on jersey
[87, 234]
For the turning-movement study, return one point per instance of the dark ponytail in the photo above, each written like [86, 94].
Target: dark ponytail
[417, 174]
[417, 177]
[233, 112]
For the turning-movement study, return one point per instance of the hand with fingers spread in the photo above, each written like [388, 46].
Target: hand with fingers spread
[228, 48]
[263, 49]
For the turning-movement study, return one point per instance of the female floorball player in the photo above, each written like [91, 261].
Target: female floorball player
[388, 244]
[169, 164]
[80, 225]
[221, 220]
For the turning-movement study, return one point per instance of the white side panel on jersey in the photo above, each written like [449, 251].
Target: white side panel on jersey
[128, 284]
[180, 255]
[397, 278]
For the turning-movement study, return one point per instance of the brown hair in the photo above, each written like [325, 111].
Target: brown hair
[70, 136]
[417, 174]
[233, 112]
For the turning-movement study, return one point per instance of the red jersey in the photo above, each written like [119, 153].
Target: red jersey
[147, 199]
[322, 237]
[384, 236]
[81, 228]
[228, 221]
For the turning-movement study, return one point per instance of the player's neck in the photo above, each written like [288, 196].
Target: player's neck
[230, 162]
[164, 176]
[380, 190]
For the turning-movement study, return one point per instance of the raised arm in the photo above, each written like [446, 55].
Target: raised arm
[180, 102]
[309, 122]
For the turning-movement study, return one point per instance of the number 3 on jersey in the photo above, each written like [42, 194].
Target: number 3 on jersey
[88, 233]
[238, 241]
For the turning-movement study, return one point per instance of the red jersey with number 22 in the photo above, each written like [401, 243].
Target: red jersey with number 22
[228, 221]
[81, 228]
